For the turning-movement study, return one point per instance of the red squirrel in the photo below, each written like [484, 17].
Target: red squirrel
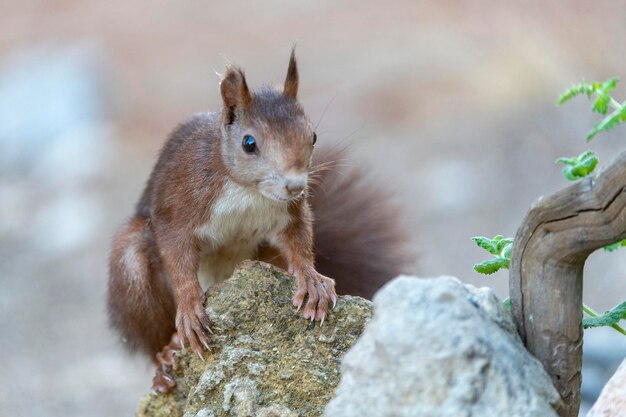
[242, 184]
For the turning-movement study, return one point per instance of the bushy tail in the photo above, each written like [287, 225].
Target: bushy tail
[140, 301]
[358, 232]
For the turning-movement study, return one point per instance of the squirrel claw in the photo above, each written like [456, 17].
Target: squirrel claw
[206, 344]
[298, 300]
[193, 325]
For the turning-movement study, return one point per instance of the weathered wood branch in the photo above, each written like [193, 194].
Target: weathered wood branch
[557, 235]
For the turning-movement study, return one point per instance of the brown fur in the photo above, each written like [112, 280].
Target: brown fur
[143, 314]
[292, 79]
[358, 233]
[359, 236]
[153, 285]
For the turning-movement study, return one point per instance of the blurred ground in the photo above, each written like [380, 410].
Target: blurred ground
[450, 103]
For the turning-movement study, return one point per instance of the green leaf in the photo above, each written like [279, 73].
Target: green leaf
[578, 167]
[580, 88]
[500, 247]
[615, 246]
[490, 245]
[609, 318]
[592, 313]
[494, 245]
[567, 161]
[609, 122]
[506, 251]
[491, 266]
[507, 304]
[503, 243]
[603, 97]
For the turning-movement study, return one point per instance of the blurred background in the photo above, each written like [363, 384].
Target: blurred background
[451, 103]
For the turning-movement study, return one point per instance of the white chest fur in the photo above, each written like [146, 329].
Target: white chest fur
[240, 220]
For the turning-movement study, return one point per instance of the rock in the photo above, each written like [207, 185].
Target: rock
[612, 401]
[266, 360]
[436, 347]
[599, 363]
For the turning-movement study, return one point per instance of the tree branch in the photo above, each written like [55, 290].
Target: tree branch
[557, 235]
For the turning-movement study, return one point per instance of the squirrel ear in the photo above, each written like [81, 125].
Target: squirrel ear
[235, 93]
[291, 82]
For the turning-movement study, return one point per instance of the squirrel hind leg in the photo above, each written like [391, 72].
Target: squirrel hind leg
[162, 383]
[140, 301]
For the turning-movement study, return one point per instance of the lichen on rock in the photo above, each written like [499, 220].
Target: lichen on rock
[265, 359]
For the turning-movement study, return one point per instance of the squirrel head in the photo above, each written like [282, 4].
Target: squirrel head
[267, 140]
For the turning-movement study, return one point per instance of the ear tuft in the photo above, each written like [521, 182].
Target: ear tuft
[292, 79]
[235, 92]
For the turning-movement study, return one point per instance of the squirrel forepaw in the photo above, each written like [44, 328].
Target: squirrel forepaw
[320, 291]
[192, 325]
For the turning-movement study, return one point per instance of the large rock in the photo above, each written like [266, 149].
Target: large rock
[612, 401]
[436, 347]
[266, 360]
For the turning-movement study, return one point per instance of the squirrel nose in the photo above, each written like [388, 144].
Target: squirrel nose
[295, 186]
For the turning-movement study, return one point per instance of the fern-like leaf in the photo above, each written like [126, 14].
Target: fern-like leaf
[603, 96]
[577, 89]
[609, 122]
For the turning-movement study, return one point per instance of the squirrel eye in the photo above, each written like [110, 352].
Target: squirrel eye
[314, 138]
[249, 144]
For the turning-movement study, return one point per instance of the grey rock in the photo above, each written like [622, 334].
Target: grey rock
[437, 347]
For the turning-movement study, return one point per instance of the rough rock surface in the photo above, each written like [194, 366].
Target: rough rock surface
[266, 360]
[436, 347]
[612, 401]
